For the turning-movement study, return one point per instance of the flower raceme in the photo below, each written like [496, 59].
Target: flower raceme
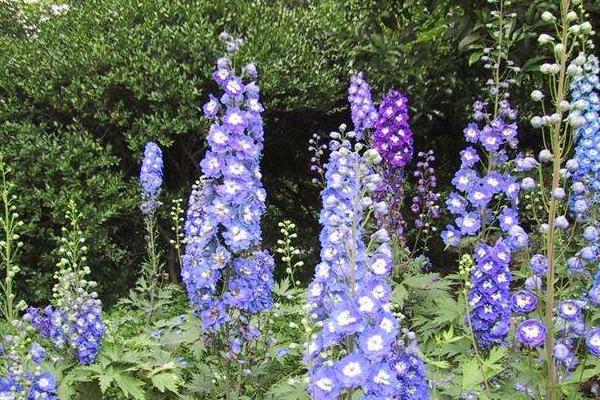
[585, 90]
[75, 318]
[393, 139]
[357, 347]
[222, 227]
[25, 377]
[475, 204]
[151, 177]
[362, 108]
[490, 310]
[474, 191]
[425, 202]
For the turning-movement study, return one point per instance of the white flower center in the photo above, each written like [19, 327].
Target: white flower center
[352, 369]
[325, 384]
[345, 318]
[375, 343]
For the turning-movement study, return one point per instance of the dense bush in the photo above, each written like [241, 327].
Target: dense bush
[113, 74]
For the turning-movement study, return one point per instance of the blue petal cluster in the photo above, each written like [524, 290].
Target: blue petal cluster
[584, 92]
[411, 373]
[24, 380]
[393, 140]
[489, 299]
[350, 294]
[79, 325]
[151, 177]
[474, 191]
[362, 108]
[222, 227]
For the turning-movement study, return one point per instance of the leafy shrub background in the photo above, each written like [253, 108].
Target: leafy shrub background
[78, 102]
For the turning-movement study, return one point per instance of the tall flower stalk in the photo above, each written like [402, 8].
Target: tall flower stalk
[10, 243]
[568, 34]
[357, 349]
[148, 294]
[74, 320]
[393, 139]
[227, 277]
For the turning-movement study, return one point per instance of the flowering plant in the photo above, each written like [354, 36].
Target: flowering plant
[74, 320]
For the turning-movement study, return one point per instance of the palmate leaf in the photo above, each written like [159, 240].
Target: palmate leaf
[471, 374]
[166, 381]
[288, 391]
[130, 386]
[120, 378]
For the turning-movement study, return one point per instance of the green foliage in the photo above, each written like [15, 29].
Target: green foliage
[78, 102]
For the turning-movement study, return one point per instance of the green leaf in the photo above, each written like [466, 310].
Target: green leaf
[472, 376]
[166, 381]
[288, 391]
[474, 57]
[467, 40]
[130, 386]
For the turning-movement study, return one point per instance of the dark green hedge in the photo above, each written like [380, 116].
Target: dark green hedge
[78, 102]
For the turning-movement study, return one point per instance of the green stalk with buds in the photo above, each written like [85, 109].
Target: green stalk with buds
[10, 243]
[570, 33]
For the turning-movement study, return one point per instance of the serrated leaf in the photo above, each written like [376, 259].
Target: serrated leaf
[130, 386]
[166, 381]
[471, 374]
[287, 391]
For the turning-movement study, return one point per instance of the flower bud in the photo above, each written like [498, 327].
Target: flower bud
[545, 39]
[545, 156]
[548, 17]
[537, 95]
[537, 122]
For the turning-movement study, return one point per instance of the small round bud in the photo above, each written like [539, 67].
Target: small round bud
[545, 156]
[537, 95]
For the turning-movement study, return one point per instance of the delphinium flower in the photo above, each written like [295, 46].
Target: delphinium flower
[25, 377]
[485, 201]
[585, 90]
[410, 370]
[147, 293]
[75, 317]
[479, 191]
[393, 139]
[223, 267]
[425, 201]
[349, 297]
[364, 113]
[151, 177]
[490, 310]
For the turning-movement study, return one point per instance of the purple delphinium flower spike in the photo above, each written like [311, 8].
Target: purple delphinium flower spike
[350, 294]
[151, 177]
[393, 139]
[478, 188]
[362, 108]
[489, 300]
[223, 270]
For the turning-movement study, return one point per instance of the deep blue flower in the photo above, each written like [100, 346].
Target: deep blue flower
[531, 332]
[151, 177]
[223, 221]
